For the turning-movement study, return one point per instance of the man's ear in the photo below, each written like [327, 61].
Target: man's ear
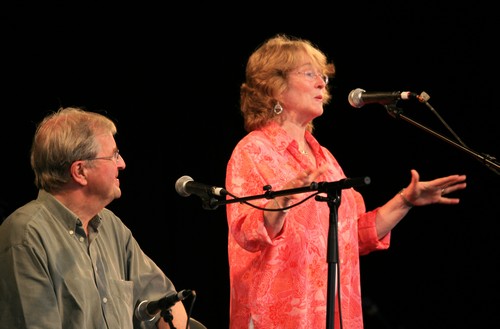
[78, 172]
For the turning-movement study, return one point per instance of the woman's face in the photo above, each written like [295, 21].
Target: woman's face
[303, 98]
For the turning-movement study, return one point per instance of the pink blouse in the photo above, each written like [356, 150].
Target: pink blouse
[282, 282]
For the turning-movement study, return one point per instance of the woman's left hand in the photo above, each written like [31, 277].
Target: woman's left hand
[434, 191]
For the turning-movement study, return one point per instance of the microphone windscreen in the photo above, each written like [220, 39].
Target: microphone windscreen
[355, 97]
[180, 185]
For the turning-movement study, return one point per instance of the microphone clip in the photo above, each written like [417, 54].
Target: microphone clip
[393, 110]
[209, 203]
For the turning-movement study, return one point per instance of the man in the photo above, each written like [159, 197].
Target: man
[67, 261]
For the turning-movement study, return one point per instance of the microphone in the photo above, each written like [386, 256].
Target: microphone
[185, 186]
[146, 310]
[360, 97]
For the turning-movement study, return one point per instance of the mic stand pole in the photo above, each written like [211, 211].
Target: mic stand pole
[485, 159]
[332, 255]
[333, 191]
[168, 317]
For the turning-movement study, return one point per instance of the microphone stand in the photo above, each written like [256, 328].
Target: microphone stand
[332, 255]
[167, 315]
[333, 191]
[485, 159]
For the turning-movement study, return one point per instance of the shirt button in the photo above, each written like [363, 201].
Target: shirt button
[82, 239]
[104, 300]
[71, 232]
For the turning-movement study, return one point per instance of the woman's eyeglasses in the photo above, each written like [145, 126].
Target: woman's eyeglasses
[311, 75]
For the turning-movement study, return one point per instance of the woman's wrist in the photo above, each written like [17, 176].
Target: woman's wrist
[278, 206]
[405, 200]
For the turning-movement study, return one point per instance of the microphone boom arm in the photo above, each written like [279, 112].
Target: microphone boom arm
[485, 159]
[326, 187]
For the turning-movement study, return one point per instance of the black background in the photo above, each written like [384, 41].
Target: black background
[170, 80]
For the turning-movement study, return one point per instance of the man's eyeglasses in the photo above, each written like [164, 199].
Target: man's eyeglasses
[115, 157]
[311, 75]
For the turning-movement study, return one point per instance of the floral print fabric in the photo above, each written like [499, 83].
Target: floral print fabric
[283, 282]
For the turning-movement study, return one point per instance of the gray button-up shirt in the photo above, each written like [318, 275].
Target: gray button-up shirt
[53, 276]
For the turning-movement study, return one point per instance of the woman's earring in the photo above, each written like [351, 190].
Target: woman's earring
[278, 108]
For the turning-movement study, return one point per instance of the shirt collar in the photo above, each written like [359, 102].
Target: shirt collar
[62, 213]
[280, 138]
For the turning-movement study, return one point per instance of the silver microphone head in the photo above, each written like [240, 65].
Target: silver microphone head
[180, 185]
[355, 97]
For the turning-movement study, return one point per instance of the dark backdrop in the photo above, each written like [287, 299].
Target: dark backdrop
[170, 79]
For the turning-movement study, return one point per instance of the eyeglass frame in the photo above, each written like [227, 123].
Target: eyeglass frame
[311, 75]
[116, 157]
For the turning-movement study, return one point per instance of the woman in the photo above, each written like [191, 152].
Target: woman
[278, 258]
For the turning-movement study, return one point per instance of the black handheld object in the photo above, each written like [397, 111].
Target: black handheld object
[147, 310]
[360, 97]
[185, 186]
